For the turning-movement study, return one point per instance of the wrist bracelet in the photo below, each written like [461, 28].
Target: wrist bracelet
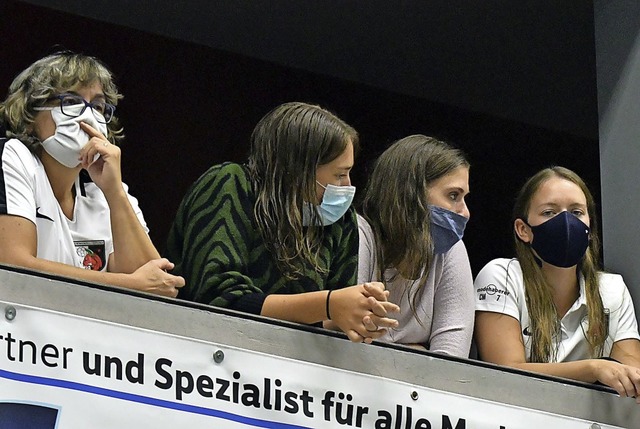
[327, 304]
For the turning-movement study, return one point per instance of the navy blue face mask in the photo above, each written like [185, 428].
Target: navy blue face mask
[447, 228]
[561, 241]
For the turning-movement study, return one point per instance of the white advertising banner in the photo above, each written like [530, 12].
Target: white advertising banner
[63, 371]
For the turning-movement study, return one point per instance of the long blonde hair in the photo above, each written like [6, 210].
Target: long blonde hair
[542, 310]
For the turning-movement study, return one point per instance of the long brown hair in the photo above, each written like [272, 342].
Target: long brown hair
[542, 310]
[287, 146]
[396, 203]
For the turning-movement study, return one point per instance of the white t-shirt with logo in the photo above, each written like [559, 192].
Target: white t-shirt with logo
[85, 240]
[499, 288]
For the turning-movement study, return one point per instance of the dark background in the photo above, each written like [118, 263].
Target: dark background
[513, 85]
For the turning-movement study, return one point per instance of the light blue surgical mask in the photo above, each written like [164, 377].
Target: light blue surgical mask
[447, 228]
[335, 203]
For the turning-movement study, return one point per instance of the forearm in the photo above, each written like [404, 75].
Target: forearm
[132, 247]
[627, 351]
[309, 307]
[629, 360]
[43, 265]
[581, 370]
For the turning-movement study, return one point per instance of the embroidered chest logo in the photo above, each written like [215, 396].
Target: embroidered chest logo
[92, 254]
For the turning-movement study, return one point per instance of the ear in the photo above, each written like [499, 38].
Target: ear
[523, 231]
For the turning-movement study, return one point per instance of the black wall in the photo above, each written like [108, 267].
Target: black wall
[513, 85]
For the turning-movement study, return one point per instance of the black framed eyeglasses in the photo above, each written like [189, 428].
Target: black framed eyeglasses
[70, 105]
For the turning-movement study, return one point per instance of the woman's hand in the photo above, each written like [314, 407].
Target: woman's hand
[152, 277]
[373, 322]
[361, 311]
[105, 170]
[624, 379]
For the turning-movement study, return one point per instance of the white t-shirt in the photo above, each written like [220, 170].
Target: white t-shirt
[500, 289]
[84, 241]
[444, 308]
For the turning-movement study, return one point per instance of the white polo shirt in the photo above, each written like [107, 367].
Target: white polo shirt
[85, 240]
[499, 288]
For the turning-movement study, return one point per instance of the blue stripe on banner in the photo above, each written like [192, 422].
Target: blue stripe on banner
[145, 400]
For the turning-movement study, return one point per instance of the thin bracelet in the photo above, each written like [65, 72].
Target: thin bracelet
[327, 305]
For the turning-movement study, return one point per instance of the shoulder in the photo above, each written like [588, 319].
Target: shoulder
[452, 271]
[453, 260]
[457, 253]
[502, 266]
[499, 288]
[227, 170]
[13, 151]
[366, 243]
[610, 281]
[364, 229]
[14, 145]
[21, 170]
[222, 194]
[222, 179]
[612, 289]
[500, 272]
[230, 169]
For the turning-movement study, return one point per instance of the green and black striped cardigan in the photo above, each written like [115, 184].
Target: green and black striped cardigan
[218, 249]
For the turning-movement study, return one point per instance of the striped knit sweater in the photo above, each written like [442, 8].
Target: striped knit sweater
[219, 251]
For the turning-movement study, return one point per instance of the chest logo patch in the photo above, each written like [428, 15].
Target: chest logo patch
[92, 254]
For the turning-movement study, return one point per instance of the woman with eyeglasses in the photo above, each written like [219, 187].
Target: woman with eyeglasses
[63, 206]
[277, 236]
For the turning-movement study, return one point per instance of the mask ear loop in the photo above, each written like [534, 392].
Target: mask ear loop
[526, 223]
[535, 257]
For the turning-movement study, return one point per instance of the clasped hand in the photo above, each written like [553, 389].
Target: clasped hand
[153, 277]
[361, 311]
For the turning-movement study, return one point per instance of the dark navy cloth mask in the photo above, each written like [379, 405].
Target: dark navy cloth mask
[447, 228]
[561, 241]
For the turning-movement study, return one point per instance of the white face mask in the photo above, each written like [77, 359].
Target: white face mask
[65, 145]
